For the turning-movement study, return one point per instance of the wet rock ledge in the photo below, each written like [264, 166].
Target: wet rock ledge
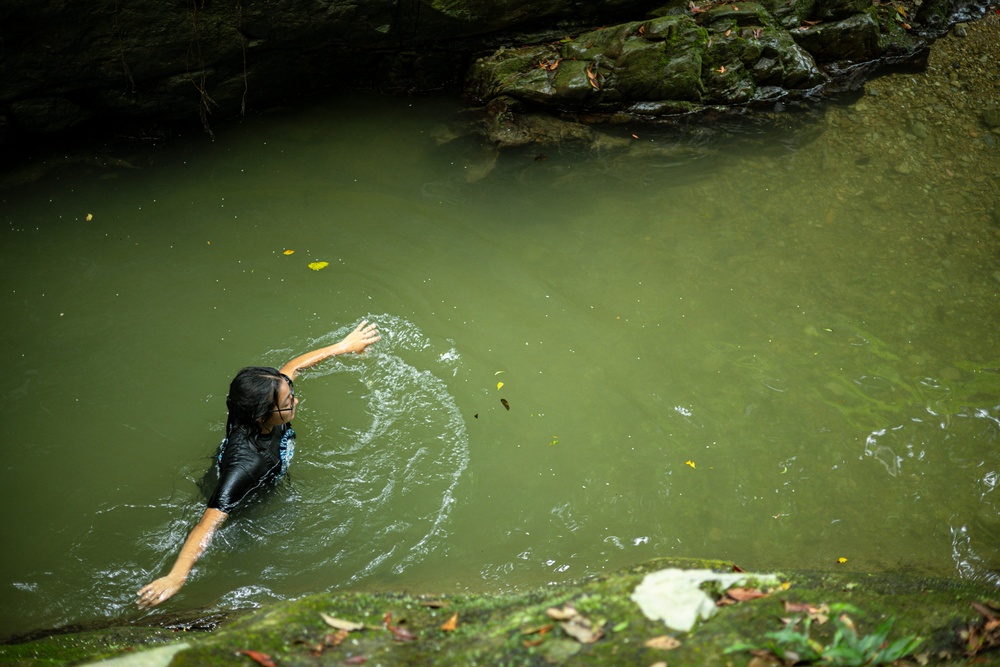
[595, 622]
[127, 66]
[690, 58]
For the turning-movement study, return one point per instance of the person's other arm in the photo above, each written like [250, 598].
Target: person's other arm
[198, 540]
[364, 335]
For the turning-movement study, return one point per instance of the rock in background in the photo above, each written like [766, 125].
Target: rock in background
[68, 66]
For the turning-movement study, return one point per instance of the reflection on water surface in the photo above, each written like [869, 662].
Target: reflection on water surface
[772, 348]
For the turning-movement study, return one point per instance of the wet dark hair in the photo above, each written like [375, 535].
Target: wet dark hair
[253, 395]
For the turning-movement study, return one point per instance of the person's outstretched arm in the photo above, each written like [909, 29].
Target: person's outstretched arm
[156, 592]
[364, 335]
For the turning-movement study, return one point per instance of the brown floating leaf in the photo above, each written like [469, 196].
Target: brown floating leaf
[505, 403]
[340, 624]
[663, 642]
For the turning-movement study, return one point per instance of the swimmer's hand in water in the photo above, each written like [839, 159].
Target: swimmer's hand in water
[364, 335]
[156, 592]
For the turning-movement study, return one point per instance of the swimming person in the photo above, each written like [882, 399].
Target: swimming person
[259, 435]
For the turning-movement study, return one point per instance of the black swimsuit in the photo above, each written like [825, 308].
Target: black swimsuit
[248, 462]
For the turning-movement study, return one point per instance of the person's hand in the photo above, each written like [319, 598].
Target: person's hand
[156, 592]
[360, 338]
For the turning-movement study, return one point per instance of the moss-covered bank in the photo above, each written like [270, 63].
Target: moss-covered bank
[515, 629]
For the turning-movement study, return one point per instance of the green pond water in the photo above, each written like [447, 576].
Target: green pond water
[718, 344]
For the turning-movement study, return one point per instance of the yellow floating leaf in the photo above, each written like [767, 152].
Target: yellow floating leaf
[841, 560]
[499, 385]
[555, 440]
[90, 216]
[690, 463]
[288, 252]
[316, 266]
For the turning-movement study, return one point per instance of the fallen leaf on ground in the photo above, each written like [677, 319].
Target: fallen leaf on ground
[336, 639]
[398, 633]
[451, 623]
[316, 266]
[820, 614]
[581, 629]
[356, 660]
[592, 77]
[436, 604]
[541, 631]
[663, 642]
[985, 635]
[341, 624]
[564, 614]
[744, 594]
[262, 659]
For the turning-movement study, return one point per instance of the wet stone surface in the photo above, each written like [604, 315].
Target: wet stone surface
[943, 144]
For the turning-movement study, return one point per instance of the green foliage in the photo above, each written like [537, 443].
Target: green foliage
[846, 649]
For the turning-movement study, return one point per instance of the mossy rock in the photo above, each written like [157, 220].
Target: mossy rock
[516, 628]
